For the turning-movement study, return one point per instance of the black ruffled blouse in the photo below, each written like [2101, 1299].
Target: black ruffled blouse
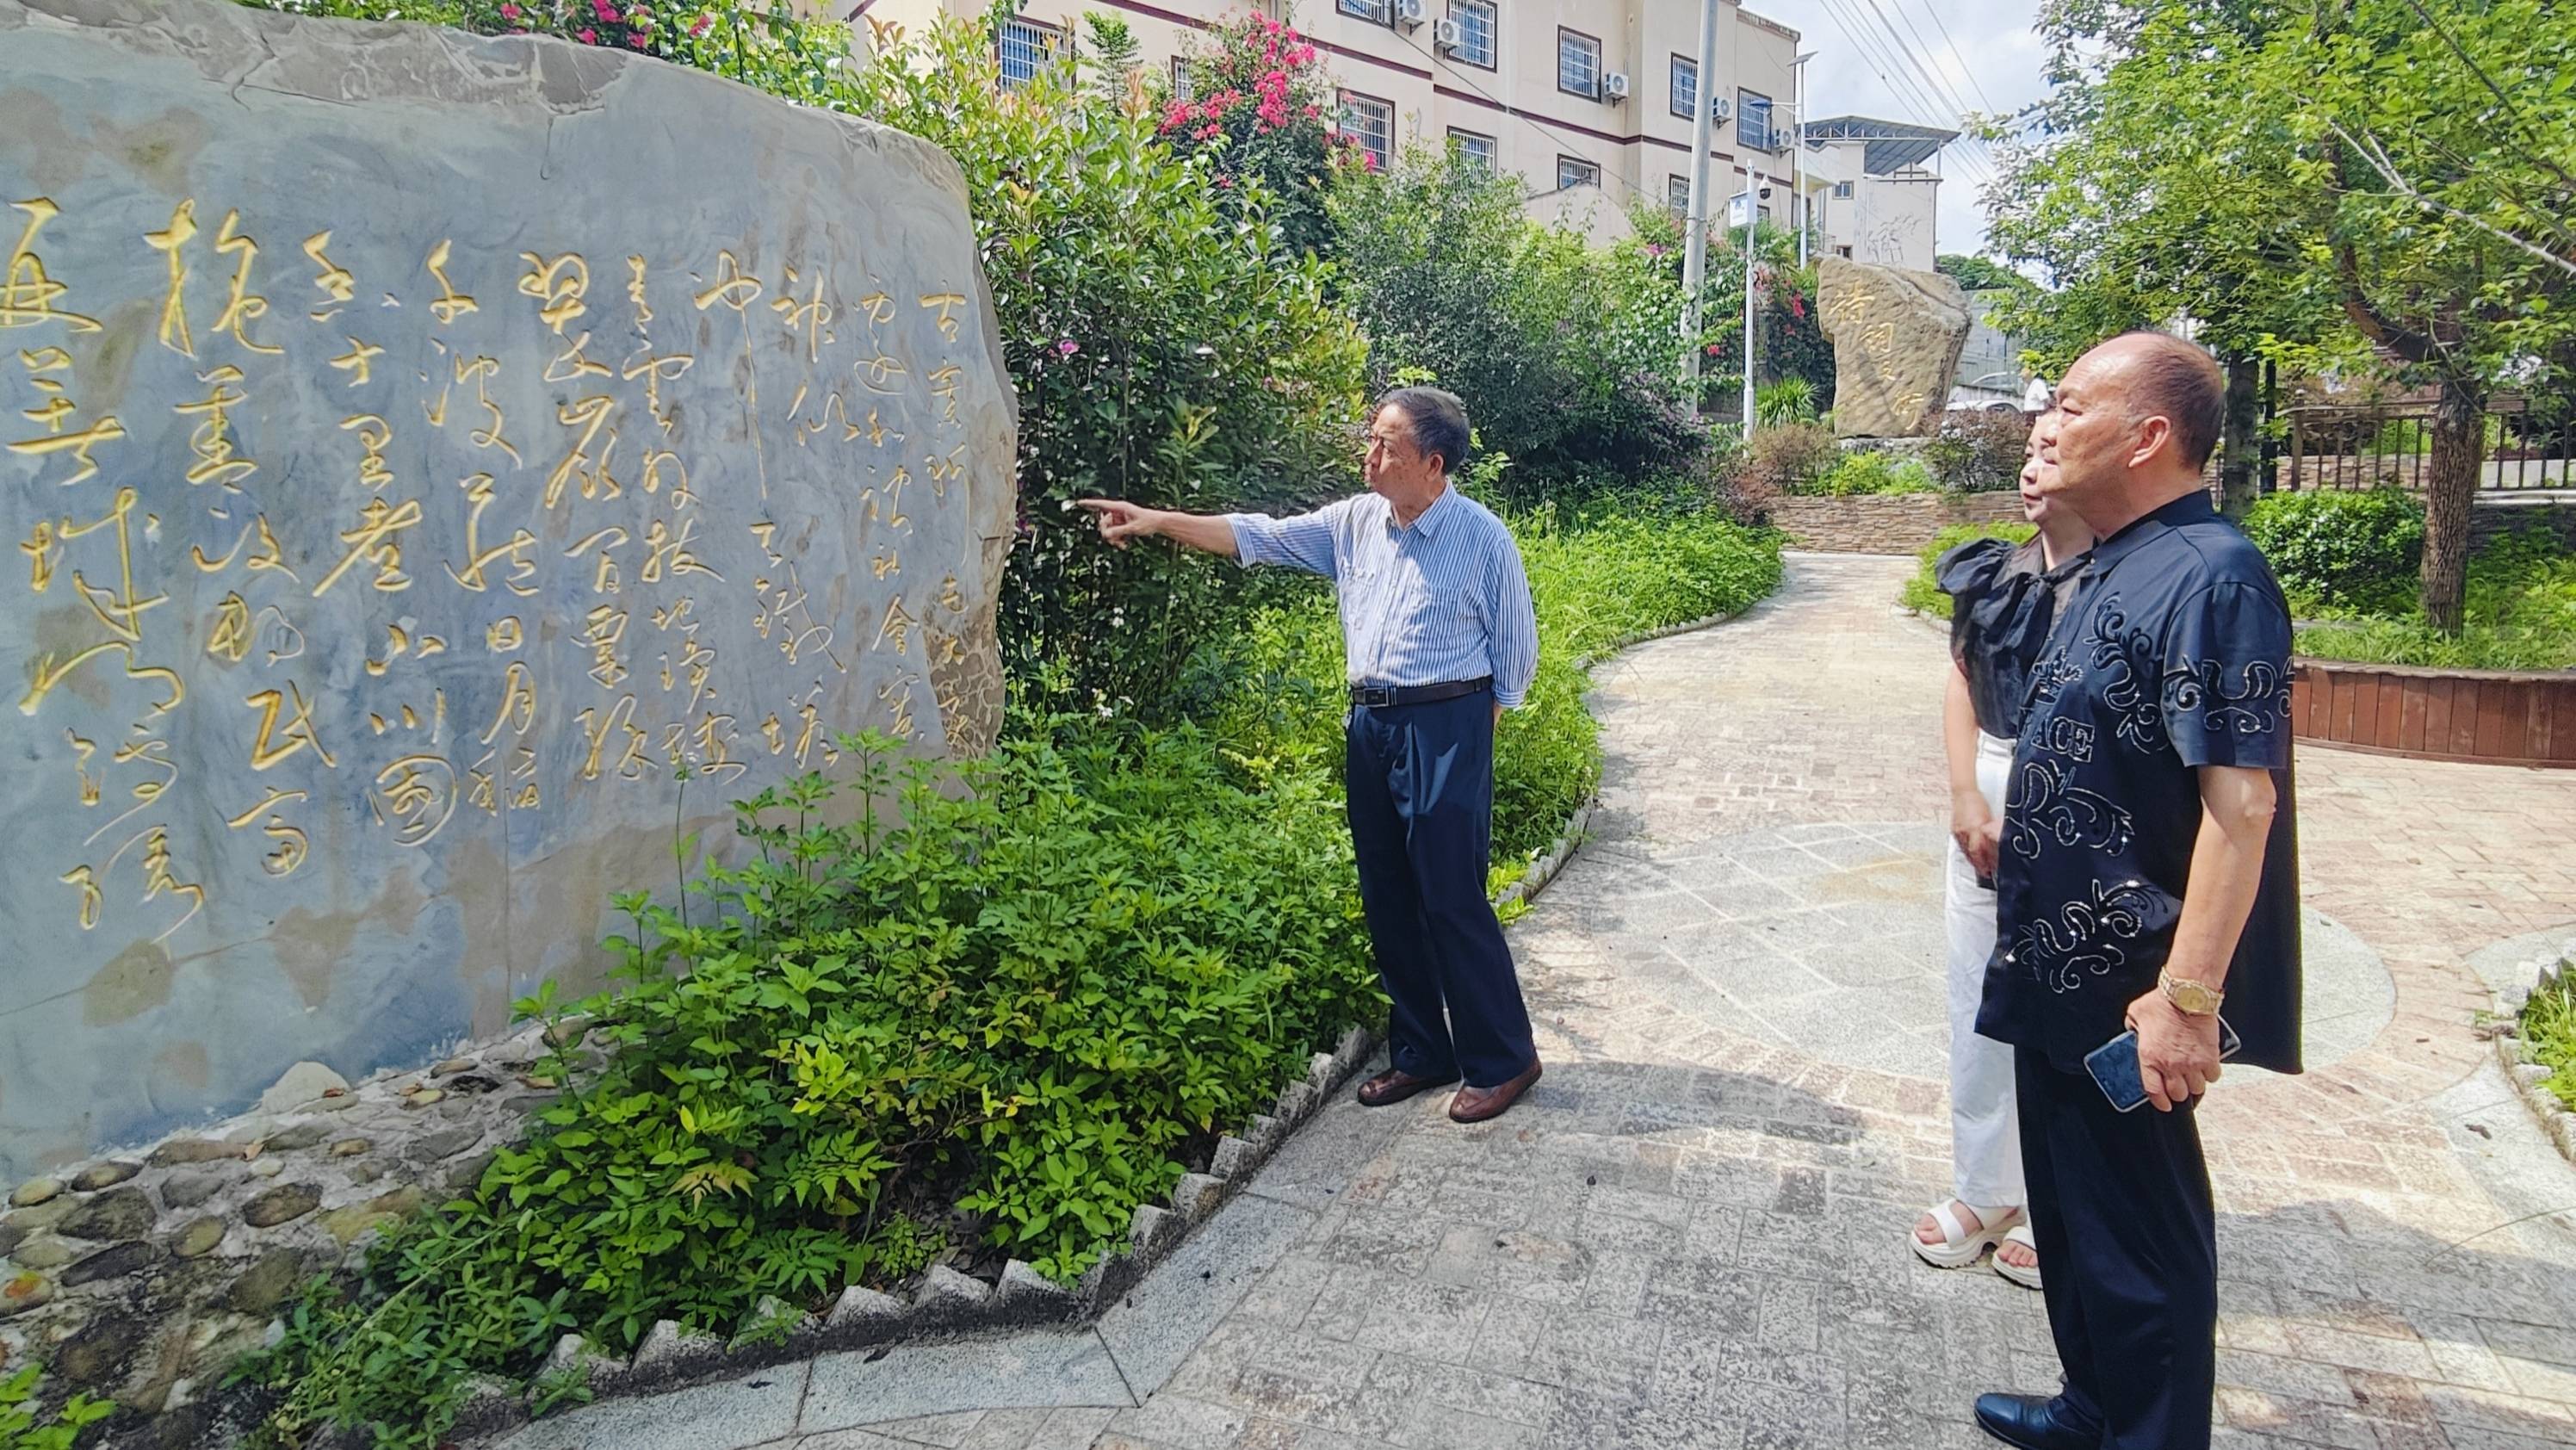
[2003, 601]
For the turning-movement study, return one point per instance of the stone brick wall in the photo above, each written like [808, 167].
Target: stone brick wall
[1885, 523]
[141, 1276]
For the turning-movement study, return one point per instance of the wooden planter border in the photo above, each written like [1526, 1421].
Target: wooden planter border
[2486, 717]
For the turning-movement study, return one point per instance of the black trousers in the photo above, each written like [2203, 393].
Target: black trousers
[2128, 1253]
[1421, 790]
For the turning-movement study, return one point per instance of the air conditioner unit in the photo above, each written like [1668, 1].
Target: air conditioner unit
[1448, 37]
[1410, 14]
[1614, 86]
[1720, 109]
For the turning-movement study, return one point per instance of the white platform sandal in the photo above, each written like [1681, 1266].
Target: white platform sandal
[1959, 1248]
[2027, 1278]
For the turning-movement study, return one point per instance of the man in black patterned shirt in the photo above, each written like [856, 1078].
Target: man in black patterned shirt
[2148, 870]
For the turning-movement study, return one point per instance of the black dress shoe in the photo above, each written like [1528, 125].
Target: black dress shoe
[2033, 1422]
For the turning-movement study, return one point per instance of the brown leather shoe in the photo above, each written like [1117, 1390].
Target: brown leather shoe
[1395, 1085]
[1475, 1104]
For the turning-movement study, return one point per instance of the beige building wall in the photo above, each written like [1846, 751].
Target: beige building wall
[1638, 144]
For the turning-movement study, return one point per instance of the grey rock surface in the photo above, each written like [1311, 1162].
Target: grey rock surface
[489, 449]
[1897, 335]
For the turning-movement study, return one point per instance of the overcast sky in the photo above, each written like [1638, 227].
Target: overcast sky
[1982, 52]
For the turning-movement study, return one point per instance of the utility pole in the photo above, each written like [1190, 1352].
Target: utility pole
[1695, 246]
[1752, 224]
[1798, 143]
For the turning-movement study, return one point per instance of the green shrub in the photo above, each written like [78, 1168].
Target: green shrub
[2520, 615]
[2549, 1036]
[1777, 461]
[1027, 990]
[23, 1427]
[1564, 354]
[1979, 450]
[1924, 596]
[1163, 352]
[1869, 471]
[2341, 551]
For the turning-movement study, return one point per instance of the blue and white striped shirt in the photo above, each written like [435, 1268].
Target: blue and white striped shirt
[1443, 599]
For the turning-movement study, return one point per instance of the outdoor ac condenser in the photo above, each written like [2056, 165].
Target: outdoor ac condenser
[1448, 37]
[1410, 14]
[1614, 86]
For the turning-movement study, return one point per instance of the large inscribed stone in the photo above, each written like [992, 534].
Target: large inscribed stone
[438, 469]
[1897, 336]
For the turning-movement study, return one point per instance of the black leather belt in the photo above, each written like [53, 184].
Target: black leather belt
[1380, 697]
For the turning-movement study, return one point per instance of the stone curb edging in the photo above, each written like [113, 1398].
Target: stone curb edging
[2556, 1121]
[945, 1303]
[949, 1304]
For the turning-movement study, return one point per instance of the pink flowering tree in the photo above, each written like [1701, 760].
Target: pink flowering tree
[1260, 111]
[758, 42]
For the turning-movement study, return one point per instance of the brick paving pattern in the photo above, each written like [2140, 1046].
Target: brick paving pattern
[1690, 1234]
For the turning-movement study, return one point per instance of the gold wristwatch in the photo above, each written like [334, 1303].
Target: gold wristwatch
[2190, 998]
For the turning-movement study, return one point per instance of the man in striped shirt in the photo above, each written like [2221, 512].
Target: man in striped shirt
[1439, 639]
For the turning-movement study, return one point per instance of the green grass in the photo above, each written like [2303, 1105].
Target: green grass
[2549, 1036]
[2521, 615]
[1920, 593]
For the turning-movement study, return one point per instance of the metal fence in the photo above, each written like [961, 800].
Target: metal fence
[2391, 446]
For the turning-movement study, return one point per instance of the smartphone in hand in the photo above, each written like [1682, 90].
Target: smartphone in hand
[2114, 1066]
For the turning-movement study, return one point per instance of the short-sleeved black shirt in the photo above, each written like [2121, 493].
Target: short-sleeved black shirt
[2003, 598]
[2173, 654]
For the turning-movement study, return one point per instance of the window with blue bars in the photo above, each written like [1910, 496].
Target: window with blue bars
[1753, 120]
[1476, 31]
[1026, 49]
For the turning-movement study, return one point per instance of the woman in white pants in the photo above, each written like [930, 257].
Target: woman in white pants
[2003, 599]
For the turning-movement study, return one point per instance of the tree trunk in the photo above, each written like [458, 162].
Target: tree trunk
[2239, 449]
[2450, 487]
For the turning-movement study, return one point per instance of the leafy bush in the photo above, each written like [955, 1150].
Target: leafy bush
[1163, 353]
[2549, 1036]
[1778, 461]
[1792, 342]
[1014, 997]
[2520, 615]
[2351, 551]
[1261, 120]
[1869, 471]
[1921, 594]
[23, 1427]
[1564, 354]
[1978, 451]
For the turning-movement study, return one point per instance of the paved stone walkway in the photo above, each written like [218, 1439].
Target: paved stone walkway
[1690, 1235]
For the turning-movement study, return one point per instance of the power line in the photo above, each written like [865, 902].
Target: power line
[1930, 57]
[1935, 12]
[1927, 88]
[1902, 86]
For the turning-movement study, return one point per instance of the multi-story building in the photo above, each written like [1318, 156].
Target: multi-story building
[1589, 101]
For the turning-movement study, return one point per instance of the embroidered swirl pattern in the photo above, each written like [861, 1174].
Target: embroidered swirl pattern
[2046, 811]
[2258, 705]
[2081, 942]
